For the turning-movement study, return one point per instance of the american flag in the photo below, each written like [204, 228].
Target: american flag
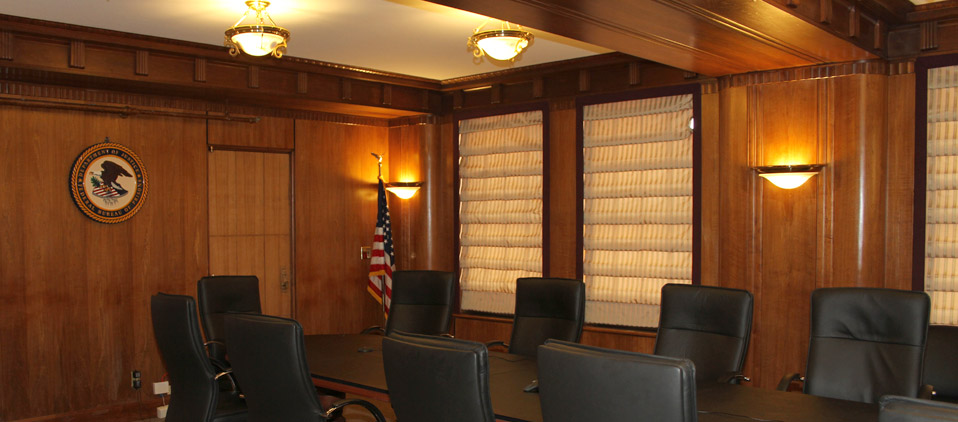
[381, 267]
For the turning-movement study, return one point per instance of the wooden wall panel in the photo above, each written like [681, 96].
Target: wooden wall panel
[785, 129]
[75, 292]
[711, 187]
[269, 132]
[858, 165]
[900, 181]
[335, 215]
[403, 155]
[563, 197]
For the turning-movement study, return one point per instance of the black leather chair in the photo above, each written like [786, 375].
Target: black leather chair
[196, 394]
[422, 303]
[941, 365]
[865, 343]
[708, 325]
[221, 295]
[437, 379]
[269, 361]
[545, 308]
[586, 383]
[905, 409]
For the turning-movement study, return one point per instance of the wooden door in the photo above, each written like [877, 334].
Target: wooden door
[250, 222]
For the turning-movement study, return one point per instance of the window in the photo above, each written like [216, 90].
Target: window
[638, 213]
[500, 208]
[941, 195]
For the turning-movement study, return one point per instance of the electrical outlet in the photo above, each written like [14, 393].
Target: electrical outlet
[161, 388]
[135, 380]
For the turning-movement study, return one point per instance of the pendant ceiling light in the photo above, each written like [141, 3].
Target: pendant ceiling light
[260, 36]
[503, 43]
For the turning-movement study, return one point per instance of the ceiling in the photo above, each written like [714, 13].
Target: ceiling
[409, 37]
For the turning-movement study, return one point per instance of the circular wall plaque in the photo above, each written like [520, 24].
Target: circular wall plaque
[108, 182]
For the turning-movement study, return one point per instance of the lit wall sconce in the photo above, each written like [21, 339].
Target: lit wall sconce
[789, 176]
[404, 190]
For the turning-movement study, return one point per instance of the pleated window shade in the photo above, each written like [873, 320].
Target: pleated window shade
[637, 233]
[941, 194]
[500, 208]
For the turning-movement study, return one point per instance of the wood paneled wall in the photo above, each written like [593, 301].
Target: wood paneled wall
[75, 293]
[848, 226]
[335, 194]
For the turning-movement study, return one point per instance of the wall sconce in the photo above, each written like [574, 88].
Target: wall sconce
[789, 176]
[404, 190]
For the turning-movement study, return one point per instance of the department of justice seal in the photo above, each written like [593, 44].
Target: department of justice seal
[108, 182]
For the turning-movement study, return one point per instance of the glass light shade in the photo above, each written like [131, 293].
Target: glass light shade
[260, 36]
[501, 44]
[789, 176]
[788, 180]
[403, 192]
[502, 47]
[258, 43]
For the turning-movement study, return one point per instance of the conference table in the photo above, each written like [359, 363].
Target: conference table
[352, 363]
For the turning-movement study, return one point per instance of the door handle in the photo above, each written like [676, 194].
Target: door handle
[283, 278]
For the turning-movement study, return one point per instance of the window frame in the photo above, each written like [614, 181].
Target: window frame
[696, 91]
[922, 66]
[457, 117]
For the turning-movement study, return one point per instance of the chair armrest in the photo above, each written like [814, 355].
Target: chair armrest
[926, 392]
[788, 379]
[208, 343]
[375, 329]
[497, 343]
[337, 409]
[229, 375]
[447, 335]
[733, 378]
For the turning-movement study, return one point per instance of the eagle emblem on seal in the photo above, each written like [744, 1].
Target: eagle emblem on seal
[108, 182]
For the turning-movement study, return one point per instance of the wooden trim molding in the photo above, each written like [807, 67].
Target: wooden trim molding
[866, 67]
[18, 93]
[199, 69]
[221, 75]
[142, 62]
[77, 54]
[6, 45]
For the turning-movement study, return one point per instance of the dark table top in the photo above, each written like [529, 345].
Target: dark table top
[353, 363]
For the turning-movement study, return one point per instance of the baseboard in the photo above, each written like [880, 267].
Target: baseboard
[117, 412]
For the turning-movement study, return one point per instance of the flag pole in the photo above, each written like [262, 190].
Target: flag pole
[382, 279]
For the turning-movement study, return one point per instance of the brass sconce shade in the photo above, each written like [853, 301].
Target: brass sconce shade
[258, 38]
[404, 190]
[789, 176]
[504, 43]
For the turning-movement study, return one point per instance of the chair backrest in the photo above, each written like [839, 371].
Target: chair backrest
[422, 302]
[708, 325]
[941, 364]
[546, 308]
[586, 383]
[220, 295]
[269, 361]
[178, 339]
[905, 409]
[866, 343]
[436, 379]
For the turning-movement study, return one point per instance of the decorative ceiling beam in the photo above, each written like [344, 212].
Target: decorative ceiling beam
[703, 36]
